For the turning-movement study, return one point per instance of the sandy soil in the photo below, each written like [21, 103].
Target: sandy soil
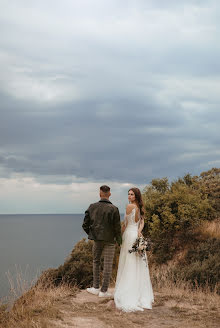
[86, 310]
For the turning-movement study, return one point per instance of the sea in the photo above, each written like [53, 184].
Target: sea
[32, 243]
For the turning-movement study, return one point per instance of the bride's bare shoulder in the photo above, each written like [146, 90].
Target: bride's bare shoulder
[129, 208]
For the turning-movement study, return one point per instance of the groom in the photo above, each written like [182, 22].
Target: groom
[102, 224]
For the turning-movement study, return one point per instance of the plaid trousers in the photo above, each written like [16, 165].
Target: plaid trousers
[108, 251]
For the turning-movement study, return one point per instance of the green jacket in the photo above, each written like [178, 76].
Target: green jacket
[102, 222]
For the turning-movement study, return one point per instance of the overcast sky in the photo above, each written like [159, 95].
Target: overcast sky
[113, 92]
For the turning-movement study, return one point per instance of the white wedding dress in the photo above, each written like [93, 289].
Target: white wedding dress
[133, 289]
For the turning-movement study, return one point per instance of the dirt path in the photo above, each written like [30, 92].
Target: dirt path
[86, 310]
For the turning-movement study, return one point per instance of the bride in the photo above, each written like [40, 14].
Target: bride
[133, 289]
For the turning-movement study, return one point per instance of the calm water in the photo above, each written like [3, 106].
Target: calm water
[35, 243]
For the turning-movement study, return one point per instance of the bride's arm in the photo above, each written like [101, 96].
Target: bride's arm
[141, 226]
[124, 223]
[123, 227]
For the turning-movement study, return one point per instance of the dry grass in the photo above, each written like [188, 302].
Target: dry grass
[181, 292]
[34, 308]
[210, 229]
[162, 279]
[176, 305]
[19, 283]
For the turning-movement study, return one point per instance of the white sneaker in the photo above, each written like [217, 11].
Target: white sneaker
[106, 294]
[92, 290]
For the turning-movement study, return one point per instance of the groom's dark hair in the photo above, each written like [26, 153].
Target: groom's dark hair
[105, 189]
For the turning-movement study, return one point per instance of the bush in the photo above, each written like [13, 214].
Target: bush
[201, 265]
[78, 268]
[210, 181]
[173, 211]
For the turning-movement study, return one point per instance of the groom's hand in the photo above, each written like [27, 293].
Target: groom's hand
[119, 240]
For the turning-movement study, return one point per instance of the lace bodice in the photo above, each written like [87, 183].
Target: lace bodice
[130, 219]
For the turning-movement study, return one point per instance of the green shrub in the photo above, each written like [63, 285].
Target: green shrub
[78, 268]
[201, 265]
[173, 211]
[210, 181]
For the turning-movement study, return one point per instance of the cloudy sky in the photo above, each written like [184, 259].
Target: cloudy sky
[113, 92]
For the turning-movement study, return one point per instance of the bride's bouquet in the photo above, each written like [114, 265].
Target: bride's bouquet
[140, 246]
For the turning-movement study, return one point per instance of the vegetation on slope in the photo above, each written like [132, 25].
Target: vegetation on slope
[179, 217]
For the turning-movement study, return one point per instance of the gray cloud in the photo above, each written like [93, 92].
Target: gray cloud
[122, 93]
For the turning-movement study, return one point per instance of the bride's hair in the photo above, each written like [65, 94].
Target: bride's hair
[138, 199]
